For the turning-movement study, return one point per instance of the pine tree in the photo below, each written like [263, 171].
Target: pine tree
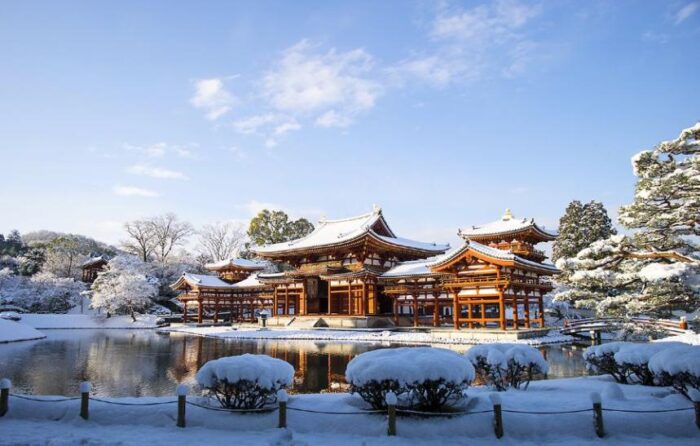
[569, 241]
[655, 269]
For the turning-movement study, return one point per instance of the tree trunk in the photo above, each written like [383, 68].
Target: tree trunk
[133, 316]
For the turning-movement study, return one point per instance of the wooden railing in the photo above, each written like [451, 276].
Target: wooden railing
[577, 326]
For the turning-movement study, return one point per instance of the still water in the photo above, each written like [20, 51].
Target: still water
[145, 363]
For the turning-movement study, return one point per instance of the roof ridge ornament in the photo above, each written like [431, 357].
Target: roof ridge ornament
[508, 215]
[322, 219]
[376, 209]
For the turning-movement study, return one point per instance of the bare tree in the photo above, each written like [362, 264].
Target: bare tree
[221, 240]
[168, 232]
[142, 239]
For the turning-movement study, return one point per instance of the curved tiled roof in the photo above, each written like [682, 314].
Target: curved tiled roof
[505, 226]
[330, 233]
[236, 262]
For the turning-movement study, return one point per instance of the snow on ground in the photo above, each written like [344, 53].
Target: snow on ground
[11, 331]
[394, 337]
[58, 423]
[687, 338]
[48, 321]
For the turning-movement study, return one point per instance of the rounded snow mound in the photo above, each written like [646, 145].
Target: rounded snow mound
[266, 372]
[501, 354]
[409, 365]
[11, 331]
[677, 359]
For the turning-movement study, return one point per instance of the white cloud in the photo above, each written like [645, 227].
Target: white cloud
[212, 97]
[160, 149]
[252, 124]
[308, 81]
[686, 11]
[288, 126]
[132, 191]
[156, 172]
[332, 119]
[469, 44]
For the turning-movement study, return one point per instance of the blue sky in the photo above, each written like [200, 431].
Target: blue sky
[442, 113]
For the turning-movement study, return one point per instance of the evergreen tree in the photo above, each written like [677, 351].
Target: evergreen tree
[580, 226]
[275, 227]
[656, 269]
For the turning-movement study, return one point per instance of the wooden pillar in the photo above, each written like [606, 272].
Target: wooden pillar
[470, 315]
[455, 310]
[501, 301]
[184, 311]
[216, 309]
[350, 299]
[231, 308]
[515, 311]
[415, 309]
[540, 307]
[436, 309]
[365, 292]
[286, 300]
[395, 305]
[527, 309]
[275, 302]
[330, 298]
[200, 310]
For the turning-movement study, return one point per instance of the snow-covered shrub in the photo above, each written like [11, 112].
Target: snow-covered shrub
[601, 359]
[246, 381]
[423, 378]
[124, 287]
[506, 365]
[677, 365]
[633, 361]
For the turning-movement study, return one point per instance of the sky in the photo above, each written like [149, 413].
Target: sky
[442, 113]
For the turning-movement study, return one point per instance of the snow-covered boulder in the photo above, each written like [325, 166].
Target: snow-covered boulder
[506, 365]
[246, 381]
[423, 378]
[11, 331]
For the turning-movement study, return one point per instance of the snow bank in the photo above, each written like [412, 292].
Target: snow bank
[30, 422]
[50, 321]
[266, 372]
[11, 331]
[686, 338]
[409, 365]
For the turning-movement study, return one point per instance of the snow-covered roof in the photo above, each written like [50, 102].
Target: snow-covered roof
[236, 262]
[203, 281]
[330, 233]
[249, 282]
[93, 261]
[424, 267]
[507, 224]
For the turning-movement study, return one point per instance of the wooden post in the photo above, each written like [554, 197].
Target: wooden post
[200, 310]
[5, 385]
[694, 395]
[282, 399]
[436, 310]
[683, 324]
[85, 399]
[395, 304]
[415, 309]
[598, 414]
[540, 304]
[391, 402]
[455, 310]
[497, 414]
[216, 309]
[515, 312]
[181, 404]
[184, 311]
[527, 309]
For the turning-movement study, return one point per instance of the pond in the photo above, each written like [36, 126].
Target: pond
[145, 363]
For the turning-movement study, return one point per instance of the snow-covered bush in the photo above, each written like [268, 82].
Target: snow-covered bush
[246, 381]
[423, 378]
[633, 360]
[506, 365]
[601, 359]
[42, 293]
[677, 365]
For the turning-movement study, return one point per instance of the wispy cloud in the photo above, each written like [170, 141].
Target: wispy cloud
[211, 96]
[156, 172]
[684, 12]
[160, 149]
[468, 44]
[307, 80]
[133, 191]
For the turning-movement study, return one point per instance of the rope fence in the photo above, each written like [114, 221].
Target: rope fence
[391, 401]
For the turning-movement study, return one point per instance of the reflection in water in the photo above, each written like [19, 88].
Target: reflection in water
[144, 363]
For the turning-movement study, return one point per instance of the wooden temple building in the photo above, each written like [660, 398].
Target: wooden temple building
[92, 267]
[358, 268]
[234, 290]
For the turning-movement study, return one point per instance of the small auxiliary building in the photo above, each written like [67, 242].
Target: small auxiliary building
[235, 290]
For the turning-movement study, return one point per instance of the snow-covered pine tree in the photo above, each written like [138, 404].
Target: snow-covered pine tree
[570, 240]
[656, 269]
[581, 225]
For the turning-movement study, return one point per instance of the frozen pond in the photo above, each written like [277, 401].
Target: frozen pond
[144, 363]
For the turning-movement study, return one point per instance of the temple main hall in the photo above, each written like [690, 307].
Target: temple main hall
[358, 270]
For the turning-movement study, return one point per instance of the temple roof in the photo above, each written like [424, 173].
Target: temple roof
[209, 281]
[94, 261]
[334, 233]
[507, 225]
[238, 263]
[426, 267]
